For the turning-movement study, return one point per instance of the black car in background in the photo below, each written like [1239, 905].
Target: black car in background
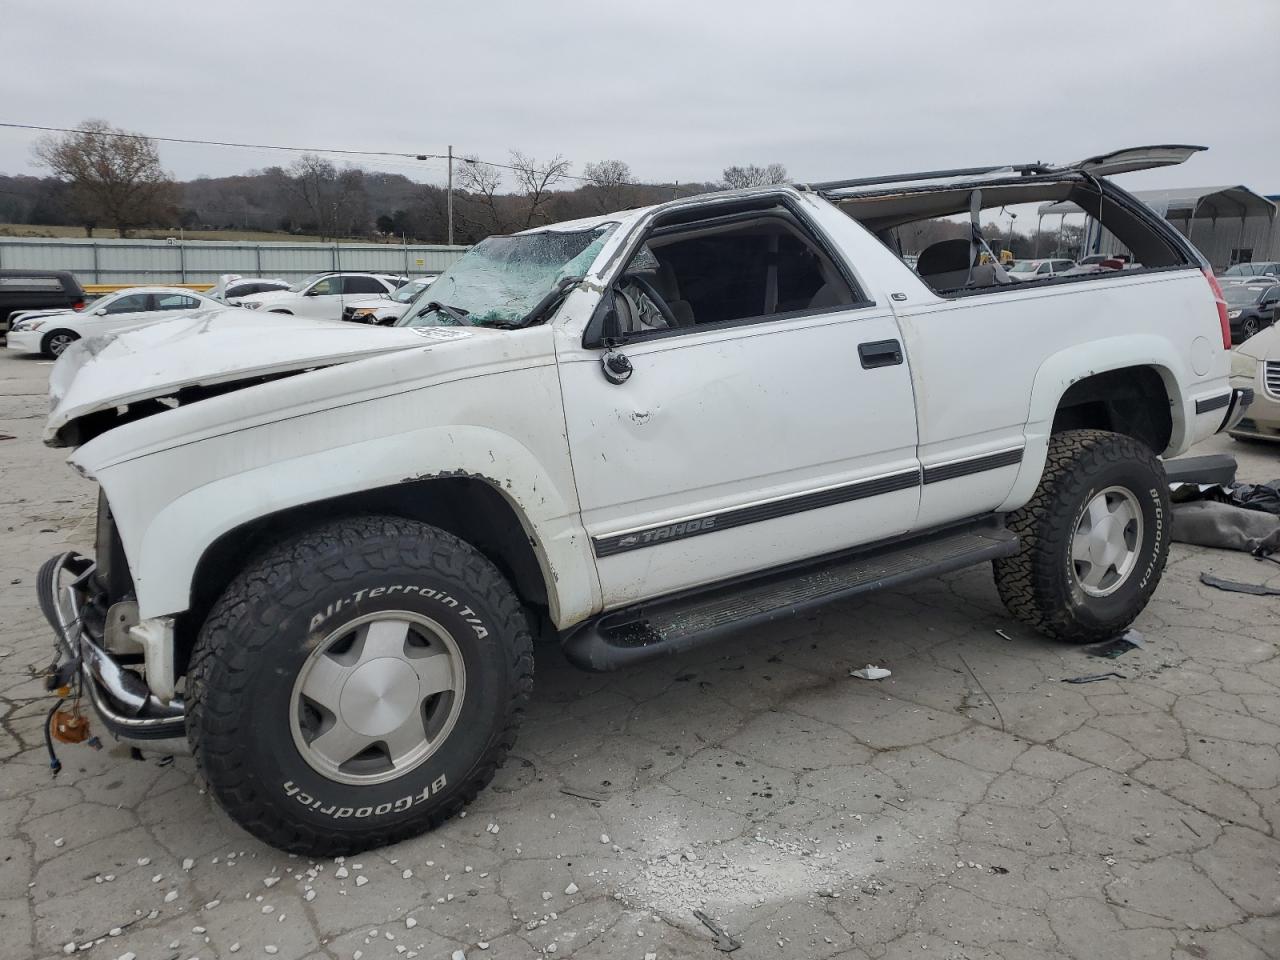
[1250, 308]
[38, 290]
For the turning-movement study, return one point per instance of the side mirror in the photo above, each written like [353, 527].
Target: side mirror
[605, 329]
[100, 312]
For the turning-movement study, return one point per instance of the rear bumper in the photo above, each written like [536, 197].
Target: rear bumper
[119, 695]
[1241, 399]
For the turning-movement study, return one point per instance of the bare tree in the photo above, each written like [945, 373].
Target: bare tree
[612, 182]
[480, 209]
[115, 176]
[536, 180]
[753, 176]
[327, 200]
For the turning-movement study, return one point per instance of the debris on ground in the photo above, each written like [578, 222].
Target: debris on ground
[724, 942]
[1094, 677]
[870, 672]
[1129, 640]
[1237, 586]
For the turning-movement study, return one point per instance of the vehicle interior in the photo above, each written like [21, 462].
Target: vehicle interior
[965, 264]
[735, 268]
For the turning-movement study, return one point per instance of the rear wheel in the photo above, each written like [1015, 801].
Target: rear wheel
[358, 685]
[1094, 538]
[56, 341]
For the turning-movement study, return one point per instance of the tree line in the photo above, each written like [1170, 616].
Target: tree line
[103, 178]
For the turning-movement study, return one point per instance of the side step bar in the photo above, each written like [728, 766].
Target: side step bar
[679, 622]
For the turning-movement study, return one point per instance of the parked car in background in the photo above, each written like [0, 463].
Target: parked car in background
[231, 288]
[22, 290]
[1250, 307]
[384, 311]
[52, 333]
[1259, 268]
[1039, 269]
[1255, 364]
[322, 296]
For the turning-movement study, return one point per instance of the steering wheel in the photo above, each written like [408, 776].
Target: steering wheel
[651, 294]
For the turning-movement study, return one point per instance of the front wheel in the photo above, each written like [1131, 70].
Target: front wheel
[1248, 329]
[56, 342]
[358, 685]
[1094, 538]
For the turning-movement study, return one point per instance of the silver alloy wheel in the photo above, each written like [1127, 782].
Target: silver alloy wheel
[59, 343]
[1107, 541]
[377, 697]
[1249, 329]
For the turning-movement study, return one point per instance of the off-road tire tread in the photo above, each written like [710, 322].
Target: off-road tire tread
[271, 586]
[1027, 581]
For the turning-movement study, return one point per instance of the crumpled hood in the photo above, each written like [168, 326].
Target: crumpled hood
[205, 349]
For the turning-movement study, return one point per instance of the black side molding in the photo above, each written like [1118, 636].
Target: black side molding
[1213, 403]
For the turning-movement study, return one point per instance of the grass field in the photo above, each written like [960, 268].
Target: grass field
[33, 230]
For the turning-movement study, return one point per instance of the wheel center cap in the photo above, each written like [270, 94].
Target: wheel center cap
[1101, 541]
[379, 696]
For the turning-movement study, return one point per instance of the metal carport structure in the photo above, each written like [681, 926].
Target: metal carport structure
[1216, 219]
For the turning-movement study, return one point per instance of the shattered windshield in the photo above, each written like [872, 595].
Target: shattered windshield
[501, 279]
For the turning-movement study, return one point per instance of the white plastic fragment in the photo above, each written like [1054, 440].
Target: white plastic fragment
[406, 873]
[143, 861]
[188, 863]
[361, 880]
[309, 896]
[171, 896]
[271, 948]
[69, 948]
[870, 672]
[270, 881]
[458, 955]
[410, 922]
[604, 838]
[546, 894]
[341, 873]
[571, 889]
[115, 931]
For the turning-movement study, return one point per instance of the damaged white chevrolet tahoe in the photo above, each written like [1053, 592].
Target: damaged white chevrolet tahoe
[323, 550]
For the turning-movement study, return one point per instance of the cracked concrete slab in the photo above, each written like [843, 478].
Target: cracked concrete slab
[970, 806]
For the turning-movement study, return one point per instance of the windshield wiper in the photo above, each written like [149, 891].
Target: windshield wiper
[548, 303]
[456, 314]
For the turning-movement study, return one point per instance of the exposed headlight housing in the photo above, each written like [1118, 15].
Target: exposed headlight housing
[1243, 366]
[365, 311]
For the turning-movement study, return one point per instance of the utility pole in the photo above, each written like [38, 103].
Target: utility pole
[450, 201]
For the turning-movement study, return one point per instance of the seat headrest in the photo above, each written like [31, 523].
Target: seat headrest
[944, 256]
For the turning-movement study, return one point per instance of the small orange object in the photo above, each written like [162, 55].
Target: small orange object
[69, 727]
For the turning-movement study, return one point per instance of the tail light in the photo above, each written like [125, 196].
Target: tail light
[1222, 308]
[78, 306]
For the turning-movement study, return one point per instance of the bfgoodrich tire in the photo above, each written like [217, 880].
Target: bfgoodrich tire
[357, 685]
[1094, 538]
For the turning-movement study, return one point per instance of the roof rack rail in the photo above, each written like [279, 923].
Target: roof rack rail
[1024, 169]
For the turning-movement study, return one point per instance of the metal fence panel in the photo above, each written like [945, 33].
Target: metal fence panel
[202, 261]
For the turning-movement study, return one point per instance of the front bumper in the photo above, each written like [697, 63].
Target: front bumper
[119, 695]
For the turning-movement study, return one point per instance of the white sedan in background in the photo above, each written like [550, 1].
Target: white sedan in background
[52, 333]
[323, 295]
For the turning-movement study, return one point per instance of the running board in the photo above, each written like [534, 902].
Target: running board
[682, 621]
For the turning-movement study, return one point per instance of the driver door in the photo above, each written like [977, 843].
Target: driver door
[768, 416]
[322, 300]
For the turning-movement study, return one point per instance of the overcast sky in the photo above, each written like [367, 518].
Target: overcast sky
[679, 90]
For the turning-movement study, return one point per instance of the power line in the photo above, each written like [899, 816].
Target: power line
[270, 146]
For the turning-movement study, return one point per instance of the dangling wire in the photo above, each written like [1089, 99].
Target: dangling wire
[54, 763]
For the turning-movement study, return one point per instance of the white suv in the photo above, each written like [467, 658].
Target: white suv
[323, 295]
[324, 562]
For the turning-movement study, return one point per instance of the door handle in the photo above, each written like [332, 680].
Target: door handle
[880, 353]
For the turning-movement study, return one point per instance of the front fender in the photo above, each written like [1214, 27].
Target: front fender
[165, 547]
